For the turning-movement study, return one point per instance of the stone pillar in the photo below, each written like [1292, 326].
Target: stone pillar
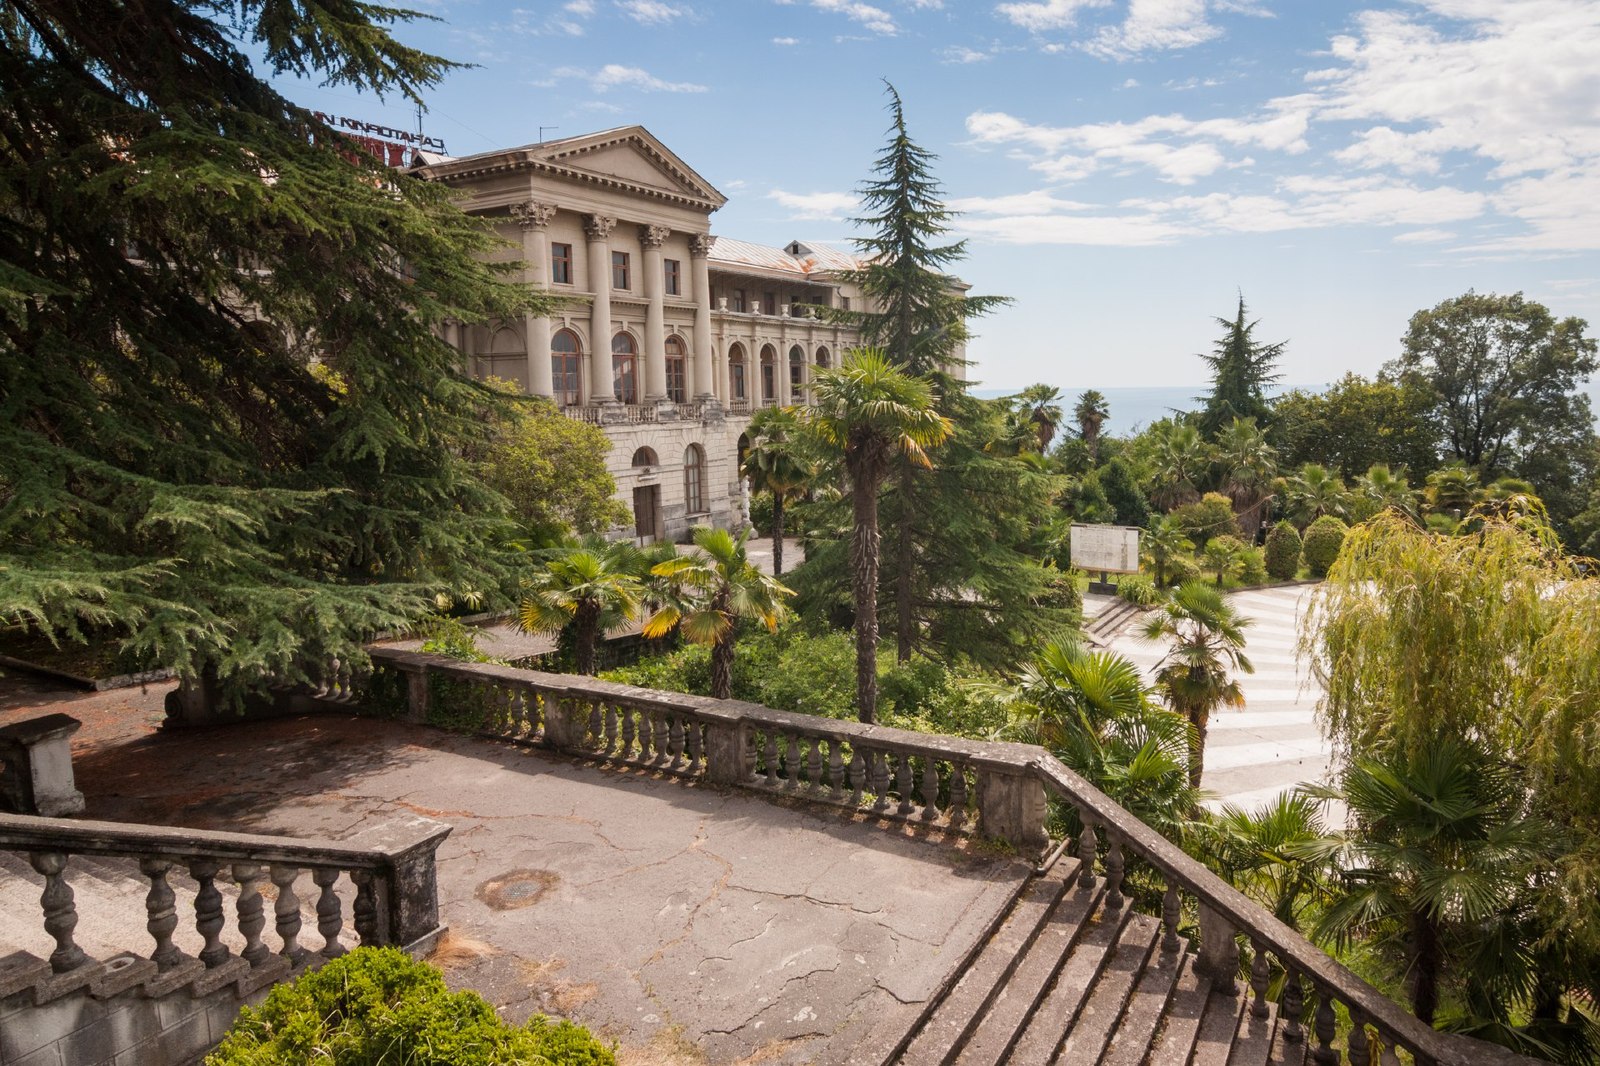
[699, 248]
[784, 397]
[1012, 807]
[598, 229]
[655, 353]
[37, 755]
[534, 218]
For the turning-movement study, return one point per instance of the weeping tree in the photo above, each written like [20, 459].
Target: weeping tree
[231, 439]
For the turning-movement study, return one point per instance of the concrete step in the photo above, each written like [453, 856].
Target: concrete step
[1252, 1044]
[1073, 931]
[1091, 1030]
[947, 1021]
[1146, 1009]
[1181, 1019]
[1214, 1043]
[1286, 1052]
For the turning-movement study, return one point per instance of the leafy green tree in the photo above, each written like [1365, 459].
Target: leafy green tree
[1163, 542]
[870, 411]
[1087, 501]
[1122, 492]
[1210, 516]
[1502, 371]
[777, 462]
[552, 470]
[230, 434]
[1380, 489]
[1356, 423]
[1091, 412]
[714, 589]
[1283, 552]
[1323, 540]
[1205, 638]
[1241, 370]
[1314, 491]
[585, 590]
[1437, 853]
[1093, 712]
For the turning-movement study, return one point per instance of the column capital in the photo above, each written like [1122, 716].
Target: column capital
[700, 245]
[531, 214]
[598, 227]
[654, 236]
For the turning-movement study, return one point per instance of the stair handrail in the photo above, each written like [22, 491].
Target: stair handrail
[1232, 912]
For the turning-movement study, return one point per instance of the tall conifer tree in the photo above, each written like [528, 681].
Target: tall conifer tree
[230, 433]
[1241, 370]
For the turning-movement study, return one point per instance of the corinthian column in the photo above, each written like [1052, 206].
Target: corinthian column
[699, 248]
[534, 218]
[655, 350]
[598, 229]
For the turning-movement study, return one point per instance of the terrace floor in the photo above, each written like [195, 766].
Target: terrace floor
[688, 923]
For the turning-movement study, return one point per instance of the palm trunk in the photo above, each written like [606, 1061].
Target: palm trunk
[903, 567]
[1425, 982]
[722, 666]
[584, 622]
[1200, 718]
[777, 536]
[864, 573]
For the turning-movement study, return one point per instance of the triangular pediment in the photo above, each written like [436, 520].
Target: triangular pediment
[632, 156]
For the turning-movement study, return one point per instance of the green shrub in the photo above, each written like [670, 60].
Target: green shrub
[378, 1005]
[1283, 552]
[1323, 539]
[1182, 568]
[1138, 589]
[1252, 566]
[761, 515]
[1210, 516]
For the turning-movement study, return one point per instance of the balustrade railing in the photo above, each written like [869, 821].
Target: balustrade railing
[996, 789]
[389, 872]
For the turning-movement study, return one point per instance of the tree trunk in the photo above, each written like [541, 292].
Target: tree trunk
[864, 576]
[903, 566]
[722, 666]
[584, 621]
[1425, 982]
[777, 536]
[1200, 718]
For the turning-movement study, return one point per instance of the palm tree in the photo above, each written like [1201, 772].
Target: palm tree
[1438, 852]
[714, 590]
[1314, 491]
[1262, 853]
[1091, 413]
[777, 463]
[1248, 464]
[1452, 488]
[871, 411]
[1205, 637]
[1223, 556]
[584, 590]
[1163, 542]
[1093, 712]
[1181, 456]
[1383, 489]
[1037, 413]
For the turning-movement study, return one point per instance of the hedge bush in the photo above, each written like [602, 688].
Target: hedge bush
[1210, 516]
[1138, 589]
[1283, 552]
[380, 1006]
[1323, 539]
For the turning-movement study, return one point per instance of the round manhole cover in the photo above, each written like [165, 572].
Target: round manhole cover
[517, 888]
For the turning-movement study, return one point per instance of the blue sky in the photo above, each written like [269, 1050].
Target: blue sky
[1124, 167]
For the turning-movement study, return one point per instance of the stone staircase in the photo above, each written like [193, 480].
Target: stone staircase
[1072, 975]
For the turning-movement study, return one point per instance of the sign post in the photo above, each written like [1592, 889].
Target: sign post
[1106, 549]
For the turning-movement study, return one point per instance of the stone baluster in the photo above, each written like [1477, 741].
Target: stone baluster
[658, 724]
[365, 909]
[835, 769]
[695, 731]
[286, 912]
[928, 795]
[251, 909]
[814, 765]
[1292, 1007]
[1322, 1024]
[1114, 869]
[905, 784]
[161, 906]
[60, 912]
[208, 919]
[628, 721]
[770, 756]
[330, 915]
[958, 794]
[596, 726]
[611, 730]
[1088, 845]
[1363, 1043]
[1171, 912]
[858, 776]
[792, 764]
[1260, 970]
[880, 779]
[646, 747]
[675, 741]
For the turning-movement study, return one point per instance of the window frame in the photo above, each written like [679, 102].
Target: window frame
[621, 268]
[625, 370]
[560, 374]
[672, 277]
[694, 479]
[560, 263]
[677, 370]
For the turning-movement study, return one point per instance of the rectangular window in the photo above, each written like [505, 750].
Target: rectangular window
[769, 303]
[674, 277]
[737, 303]
[561, 264]
[619, 271]
[736, 371]
[677, 380]
[844, 303]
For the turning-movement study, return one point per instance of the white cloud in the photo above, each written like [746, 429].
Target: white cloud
[581, 8]
[786, 42]
[958, 53]
[651, 12]
[616, 76]
[1154, 25]
[875, 19]
[1425, 236]
[1047, 15]
[816, 205]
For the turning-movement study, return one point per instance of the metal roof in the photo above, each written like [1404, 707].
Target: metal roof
[799, 260]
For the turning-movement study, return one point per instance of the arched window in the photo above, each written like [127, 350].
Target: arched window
[797, 371]
[694, 478]
[822, 358]
[769, 373]
[645, 457]
[624, 368]
[677, 386]
[736, 381]
[507, 358]
[565, 357]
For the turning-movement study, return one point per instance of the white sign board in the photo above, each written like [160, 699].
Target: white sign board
[1106, 549]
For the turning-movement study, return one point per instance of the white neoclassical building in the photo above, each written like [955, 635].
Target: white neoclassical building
[665, 335]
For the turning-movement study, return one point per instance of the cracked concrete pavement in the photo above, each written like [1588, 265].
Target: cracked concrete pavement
[645, 907]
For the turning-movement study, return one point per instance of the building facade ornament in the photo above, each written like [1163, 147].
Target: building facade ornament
[598, 227]
[533, 214]
[700, 245]
[654, 236]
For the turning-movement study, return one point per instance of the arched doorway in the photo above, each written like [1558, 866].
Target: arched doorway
[646, 497]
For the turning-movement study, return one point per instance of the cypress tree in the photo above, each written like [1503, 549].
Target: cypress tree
[1241, 370]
